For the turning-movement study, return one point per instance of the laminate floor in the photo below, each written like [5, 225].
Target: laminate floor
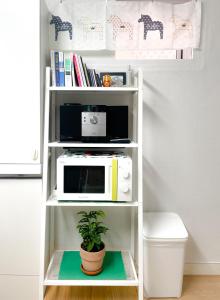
[194, 288]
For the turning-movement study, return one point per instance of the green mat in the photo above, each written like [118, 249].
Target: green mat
[113, 267]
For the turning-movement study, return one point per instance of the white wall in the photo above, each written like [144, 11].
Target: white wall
[181, 138]
[182, 144]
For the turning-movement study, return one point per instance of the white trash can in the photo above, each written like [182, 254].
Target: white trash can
[165, 238]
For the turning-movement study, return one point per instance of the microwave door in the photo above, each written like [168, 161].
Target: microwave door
[86, 182]
[83, 182]
[93, 180]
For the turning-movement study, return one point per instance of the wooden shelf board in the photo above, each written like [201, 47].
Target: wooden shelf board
[54, 267]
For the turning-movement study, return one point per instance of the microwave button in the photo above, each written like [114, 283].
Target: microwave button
[125, 174]
[124, 188]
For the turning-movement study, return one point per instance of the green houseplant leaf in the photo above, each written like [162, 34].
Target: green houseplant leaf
[91, 229]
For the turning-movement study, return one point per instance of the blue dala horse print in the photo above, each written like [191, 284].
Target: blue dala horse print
[150, 25]
[61, 26]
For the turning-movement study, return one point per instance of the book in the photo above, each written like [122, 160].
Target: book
[86, 74]
[77, 69]
[90, 72]
[90, 77]
[57, 73]
[94, 78]
[99, 83]
[73, 70]
[82, 70]
[52, 59]
[68, 70]
[61, 69]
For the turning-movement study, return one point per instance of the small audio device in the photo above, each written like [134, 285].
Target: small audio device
[93, 123]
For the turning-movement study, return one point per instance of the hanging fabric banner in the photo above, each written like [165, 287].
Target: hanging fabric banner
[77, 25]
[123, 25]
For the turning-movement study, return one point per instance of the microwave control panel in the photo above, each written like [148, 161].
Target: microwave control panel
[125, 179]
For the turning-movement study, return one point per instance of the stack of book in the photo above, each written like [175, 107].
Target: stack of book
[69, 70]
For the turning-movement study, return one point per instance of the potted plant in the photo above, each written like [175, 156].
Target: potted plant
[92, 249]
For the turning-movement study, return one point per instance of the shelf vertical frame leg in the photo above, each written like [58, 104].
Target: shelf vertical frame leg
[53, 168]
[132, 243]
[140, 185]
[45, 183]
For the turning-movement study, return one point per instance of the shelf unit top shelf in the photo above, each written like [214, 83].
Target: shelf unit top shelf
[58, 144]
[54, 267]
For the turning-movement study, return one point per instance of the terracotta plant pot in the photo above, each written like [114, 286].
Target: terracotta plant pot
[92, 261]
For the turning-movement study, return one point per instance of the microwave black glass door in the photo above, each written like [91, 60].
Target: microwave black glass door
[84, 179]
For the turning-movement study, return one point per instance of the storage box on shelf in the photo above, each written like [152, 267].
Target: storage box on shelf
[50, 257]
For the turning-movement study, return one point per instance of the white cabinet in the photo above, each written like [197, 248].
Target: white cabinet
[20, 84]
[20, 201]
[18, 287]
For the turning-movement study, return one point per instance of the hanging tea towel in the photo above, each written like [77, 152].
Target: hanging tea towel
[121, 25]
[90, 23]
[186, 25]
[155, 25]
[60, 25]
[77, 25]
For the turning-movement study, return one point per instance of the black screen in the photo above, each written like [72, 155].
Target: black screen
[84, 179]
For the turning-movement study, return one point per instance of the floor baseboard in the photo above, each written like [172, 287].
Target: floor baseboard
[212, 268]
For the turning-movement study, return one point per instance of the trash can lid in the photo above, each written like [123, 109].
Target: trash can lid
[163, 226]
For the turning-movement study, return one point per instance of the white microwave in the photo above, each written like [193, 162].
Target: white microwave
[94, 177]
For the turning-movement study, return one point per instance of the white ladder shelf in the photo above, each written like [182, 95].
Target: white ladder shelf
[50, 257]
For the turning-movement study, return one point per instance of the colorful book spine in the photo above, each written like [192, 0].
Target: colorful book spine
[73, 70]
[57, 73]
[61, 69]
[52, 59]
[89, 76]
[82, 71]
[86, 74]
[68, 70]
[99, 83]
[77, 69]
[94, 78]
